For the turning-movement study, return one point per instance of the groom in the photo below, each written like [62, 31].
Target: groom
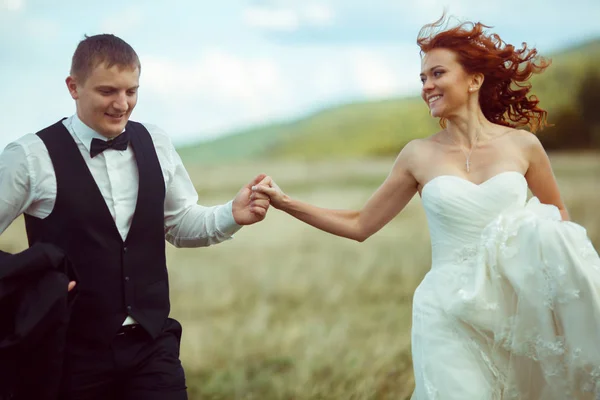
[108, 191]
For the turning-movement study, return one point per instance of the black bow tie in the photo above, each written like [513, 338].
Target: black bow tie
[119, 143]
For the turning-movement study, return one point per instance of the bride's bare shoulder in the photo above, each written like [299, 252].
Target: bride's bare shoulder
[423, 145]
[526, 142]
[519, 137]
[416, 152]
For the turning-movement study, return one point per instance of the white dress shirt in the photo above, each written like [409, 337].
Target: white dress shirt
[28, 185]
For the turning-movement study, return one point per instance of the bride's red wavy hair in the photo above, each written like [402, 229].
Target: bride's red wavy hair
[503, 96]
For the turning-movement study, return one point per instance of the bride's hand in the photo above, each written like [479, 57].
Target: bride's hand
[270, 188]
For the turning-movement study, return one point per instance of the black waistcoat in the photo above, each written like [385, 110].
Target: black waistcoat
[116, 277]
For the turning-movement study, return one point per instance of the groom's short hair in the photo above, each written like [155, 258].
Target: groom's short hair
[102, 49]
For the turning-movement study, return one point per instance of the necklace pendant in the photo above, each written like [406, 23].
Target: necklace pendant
[468, 166]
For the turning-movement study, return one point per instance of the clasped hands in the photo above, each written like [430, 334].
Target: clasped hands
[254, 199]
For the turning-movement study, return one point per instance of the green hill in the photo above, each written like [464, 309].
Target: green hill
[380, 128]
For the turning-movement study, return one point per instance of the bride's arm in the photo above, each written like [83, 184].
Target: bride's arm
[387, 201]
[541, 179]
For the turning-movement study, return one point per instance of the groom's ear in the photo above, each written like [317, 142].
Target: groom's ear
[72, 86]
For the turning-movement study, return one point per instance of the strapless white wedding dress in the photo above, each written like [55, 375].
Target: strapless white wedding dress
[511, 306]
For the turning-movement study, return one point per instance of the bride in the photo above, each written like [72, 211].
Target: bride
[510, 308]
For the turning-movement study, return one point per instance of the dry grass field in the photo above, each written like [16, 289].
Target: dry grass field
[284, 311]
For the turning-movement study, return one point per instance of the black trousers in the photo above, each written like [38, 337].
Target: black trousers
[135, 367]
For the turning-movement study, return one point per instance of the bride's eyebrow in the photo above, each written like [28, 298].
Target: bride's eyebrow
[432, 68]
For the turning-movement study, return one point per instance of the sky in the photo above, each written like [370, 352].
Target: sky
[212, 67]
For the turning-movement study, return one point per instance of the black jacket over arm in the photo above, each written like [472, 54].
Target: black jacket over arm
[34, 314]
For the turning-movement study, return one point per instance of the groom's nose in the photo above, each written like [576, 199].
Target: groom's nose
[120, 104]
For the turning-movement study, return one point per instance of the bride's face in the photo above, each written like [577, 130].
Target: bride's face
[445, 83]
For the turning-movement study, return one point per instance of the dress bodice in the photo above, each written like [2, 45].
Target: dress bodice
[458, 210]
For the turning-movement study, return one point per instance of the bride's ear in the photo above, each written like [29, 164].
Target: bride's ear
[475, 82]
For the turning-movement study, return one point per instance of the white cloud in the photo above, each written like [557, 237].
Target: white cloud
[271, 18]
[374, 75]
[42, 29]
[219, 74]
[319, 14]
[328, 81]
[124, 22]
[220, 90]
[385, 71]
[288, 18]
[11, 5]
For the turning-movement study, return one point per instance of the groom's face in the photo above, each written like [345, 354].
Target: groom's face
[106, 98]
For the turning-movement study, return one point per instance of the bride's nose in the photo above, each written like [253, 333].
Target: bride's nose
[428, 85]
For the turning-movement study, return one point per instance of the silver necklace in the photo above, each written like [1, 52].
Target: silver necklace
[467, 155]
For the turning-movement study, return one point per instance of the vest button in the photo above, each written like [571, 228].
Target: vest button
[128, 308]
[126, 278]
[125, 249]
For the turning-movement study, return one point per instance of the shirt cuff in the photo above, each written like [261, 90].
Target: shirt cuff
[225, 222]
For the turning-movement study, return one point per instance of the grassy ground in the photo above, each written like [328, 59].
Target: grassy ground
[287, 312]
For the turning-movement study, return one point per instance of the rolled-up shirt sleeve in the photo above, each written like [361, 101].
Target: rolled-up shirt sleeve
[188, 224]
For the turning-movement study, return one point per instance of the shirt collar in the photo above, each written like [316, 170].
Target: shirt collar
[84, 133]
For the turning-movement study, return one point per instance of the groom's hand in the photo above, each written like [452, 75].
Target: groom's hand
[267, 186]
[248, 207]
